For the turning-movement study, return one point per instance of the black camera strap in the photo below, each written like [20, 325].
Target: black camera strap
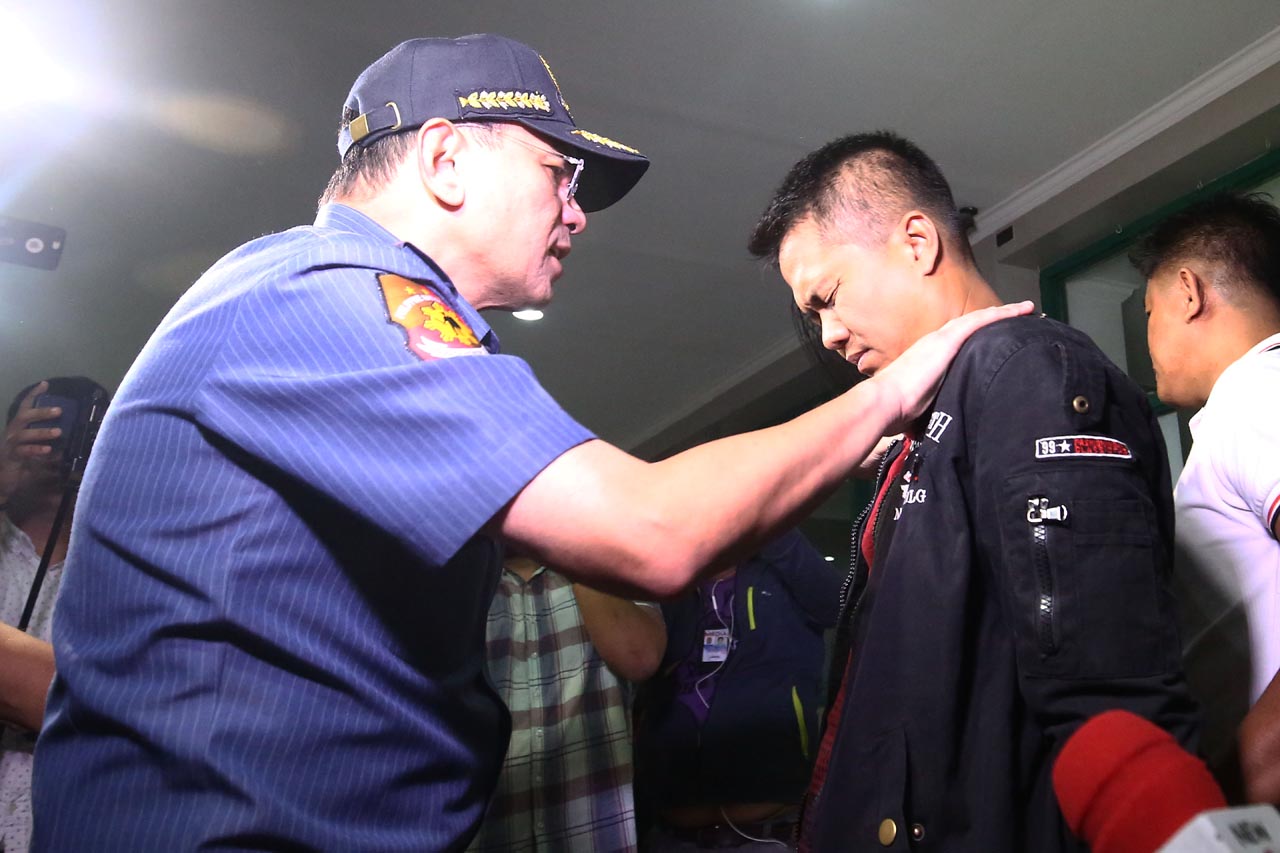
[50, 544]
[76, 455]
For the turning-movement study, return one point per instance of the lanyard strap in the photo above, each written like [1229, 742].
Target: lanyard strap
[49, 545]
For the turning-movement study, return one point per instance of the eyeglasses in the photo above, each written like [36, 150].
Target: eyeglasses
[566, 180]
[566, 189]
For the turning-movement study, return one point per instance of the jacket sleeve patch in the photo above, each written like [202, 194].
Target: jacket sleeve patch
[432, 329]
[1058, 446]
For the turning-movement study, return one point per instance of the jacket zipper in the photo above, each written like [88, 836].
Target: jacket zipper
[852, 575]
[1039, 515]
[844, 626]
[855, 549]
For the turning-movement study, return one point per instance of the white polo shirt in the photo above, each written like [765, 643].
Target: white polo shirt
[1228, 566]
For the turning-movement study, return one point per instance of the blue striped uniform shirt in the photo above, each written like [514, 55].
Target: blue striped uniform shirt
[271, 630]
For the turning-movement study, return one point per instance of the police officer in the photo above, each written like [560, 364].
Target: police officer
[295, 511]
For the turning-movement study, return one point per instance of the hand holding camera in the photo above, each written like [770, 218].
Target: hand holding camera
[28, 452]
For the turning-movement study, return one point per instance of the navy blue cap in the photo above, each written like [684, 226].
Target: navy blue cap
[484, 78]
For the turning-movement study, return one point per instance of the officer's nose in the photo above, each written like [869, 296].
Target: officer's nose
[573, 216]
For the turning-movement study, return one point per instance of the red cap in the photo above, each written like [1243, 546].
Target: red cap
[1125, 786]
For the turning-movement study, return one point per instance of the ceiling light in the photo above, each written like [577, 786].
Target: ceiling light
[218, 122]
[41, 77]
[829, 559]
[529, 314]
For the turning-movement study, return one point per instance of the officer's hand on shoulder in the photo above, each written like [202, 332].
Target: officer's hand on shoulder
[912, 380]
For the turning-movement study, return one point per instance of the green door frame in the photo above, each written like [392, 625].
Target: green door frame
[1053, 278]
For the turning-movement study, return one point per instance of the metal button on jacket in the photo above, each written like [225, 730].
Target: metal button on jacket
[888, 831]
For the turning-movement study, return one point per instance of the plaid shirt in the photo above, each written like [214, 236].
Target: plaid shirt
[566, 781]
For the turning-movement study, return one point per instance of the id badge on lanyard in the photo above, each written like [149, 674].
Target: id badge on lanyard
[715, 644]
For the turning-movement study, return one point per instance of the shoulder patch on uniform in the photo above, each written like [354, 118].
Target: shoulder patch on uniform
[432, 329]
[1081, 445]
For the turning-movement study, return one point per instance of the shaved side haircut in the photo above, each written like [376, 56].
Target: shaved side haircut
[370, 167]
[1237, 233]
[366, 166]
[855, 189]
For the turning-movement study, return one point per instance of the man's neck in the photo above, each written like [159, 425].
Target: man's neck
[390, 210]
[435, 232]
[964, 290]
[1237, 332]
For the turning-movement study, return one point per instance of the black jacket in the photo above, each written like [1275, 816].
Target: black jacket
[760, 737]
[1024, 590]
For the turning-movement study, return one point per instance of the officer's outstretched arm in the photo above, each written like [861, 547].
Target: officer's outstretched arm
[621, 524]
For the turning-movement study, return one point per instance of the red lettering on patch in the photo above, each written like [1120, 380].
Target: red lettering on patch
[1081, 445]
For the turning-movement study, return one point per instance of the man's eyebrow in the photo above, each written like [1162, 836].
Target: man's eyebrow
[814, 300]
[809, 309]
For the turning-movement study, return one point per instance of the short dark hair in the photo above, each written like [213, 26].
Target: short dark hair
[855, 187]
[1240, 232]
[373, 165]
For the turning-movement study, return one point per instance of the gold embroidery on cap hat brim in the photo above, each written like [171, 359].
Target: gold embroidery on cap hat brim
[506, 101]
[604, 140]
[556, 83]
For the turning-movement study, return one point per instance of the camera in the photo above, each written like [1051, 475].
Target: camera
[83, 403]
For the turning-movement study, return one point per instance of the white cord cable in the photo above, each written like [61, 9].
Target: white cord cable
[734, 827]
[697, 685]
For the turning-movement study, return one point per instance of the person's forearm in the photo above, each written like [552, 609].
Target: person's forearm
[629, 637]
[726, 499]
[1260, 747]
[26, 668]
[647, 530]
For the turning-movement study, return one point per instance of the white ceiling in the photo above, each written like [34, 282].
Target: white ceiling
[209, 123]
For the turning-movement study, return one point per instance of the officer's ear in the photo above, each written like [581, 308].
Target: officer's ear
[440, 145]
[919, 238]
[1193, 294]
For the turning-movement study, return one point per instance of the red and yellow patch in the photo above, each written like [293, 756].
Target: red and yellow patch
[434, 330]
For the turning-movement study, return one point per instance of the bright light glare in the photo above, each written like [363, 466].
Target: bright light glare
[27, 71]
[829, 559]
[527, 314]
[217, 122]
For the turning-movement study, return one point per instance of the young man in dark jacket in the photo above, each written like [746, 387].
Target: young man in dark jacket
[1010, 580]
